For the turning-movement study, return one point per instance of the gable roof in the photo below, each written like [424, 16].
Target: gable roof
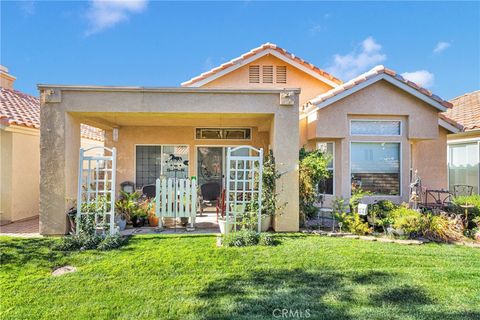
[372, 76]
[466, 110]
[20, 109]
[256, 53]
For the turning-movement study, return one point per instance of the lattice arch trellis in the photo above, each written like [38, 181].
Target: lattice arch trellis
[96, 188]
[243, 182]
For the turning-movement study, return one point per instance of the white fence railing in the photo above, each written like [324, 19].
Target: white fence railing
[176, 198]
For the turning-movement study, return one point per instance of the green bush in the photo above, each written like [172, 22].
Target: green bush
[265, 239]
[246, 238]
[351, 221]
[440, 228]
[111, 242]
[473, 213]
[407, 220]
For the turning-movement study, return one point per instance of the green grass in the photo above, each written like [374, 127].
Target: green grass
[188, 277]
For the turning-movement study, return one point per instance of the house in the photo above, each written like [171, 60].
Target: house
[20, 151]
[379, 128]
[464, 146]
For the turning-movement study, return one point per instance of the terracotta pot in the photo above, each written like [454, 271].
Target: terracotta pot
[153, 221]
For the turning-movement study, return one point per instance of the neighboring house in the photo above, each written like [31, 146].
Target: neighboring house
[464, 147]
[20, 151]
[379, 128]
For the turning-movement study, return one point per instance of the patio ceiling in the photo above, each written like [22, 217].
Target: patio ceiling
[109, 120]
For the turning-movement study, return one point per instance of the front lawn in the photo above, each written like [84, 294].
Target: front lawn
[188, 277]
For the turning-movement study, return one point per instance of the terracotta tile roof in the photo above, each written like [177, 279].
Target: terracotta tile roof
[18, 108]
[466, 110]
[373, 73]
[255, 51]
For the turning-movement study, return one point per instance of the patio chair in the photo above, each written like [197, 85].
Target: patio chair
[149, 191]
[462, 190]
[209, 195]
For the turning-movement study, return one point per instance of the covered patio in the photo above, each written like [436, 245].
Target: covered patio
[148, 126]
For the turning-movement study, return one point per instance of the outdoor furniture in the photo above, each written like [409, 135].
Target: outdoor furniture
[462, 190]
[148, 191]
[209, 195]
[435, 198]
[221, 206]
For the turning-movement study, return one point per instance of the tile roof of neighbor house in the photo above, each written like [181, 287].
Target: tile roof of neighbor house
[466, 110]
[18, 108]
[371, 74]
[263, 47]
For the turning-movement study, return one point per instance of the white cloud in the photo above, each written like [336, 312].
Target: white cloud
[367, 55]
[315, 28]
[104, 14]
[441, 46]
[421, 77]
[27, 7]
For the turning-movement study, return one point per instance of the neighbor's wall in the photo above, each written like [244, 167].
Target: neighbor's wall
[131, 136]
[310, 87]
[430, 161]
[20, 173]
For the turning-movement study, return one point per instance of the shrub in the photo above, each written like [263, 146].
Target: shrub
[357, 195]
[111, 242]
[265, 239]
[473, 213]
[351, 222]
[407, 220]
[441, 228]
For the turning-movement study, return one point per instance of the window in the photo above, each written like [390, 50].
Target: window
[374, 128]
[254, 74]
[148, 164]
[223, 134]
[463, 165]
[281, 76]
[327, 186]
[151, 162]
[267, 74]
[375, 167]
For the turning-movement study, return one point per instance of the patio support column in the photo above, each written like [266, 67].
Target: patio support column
[59, 148]
[284, 139]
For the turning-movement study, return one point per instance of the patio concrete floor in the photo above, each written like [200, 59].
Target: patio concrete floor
[26, 228]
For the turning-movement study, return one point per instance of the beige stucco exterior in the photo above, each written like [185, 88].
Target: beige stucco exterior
[163, 116]
[422, 141]
[311, 87]
[19, 172]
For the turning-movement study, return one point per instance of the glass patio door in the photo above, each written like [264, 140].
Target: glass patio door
[210, 165]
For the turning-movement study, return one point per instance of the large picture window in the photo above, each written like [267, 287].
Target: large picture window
[375, 167]
[327, 186]
[153, 161]
[463, 165]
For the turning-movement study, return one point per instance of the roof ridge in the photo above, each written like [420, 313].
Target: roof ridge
[254, 51]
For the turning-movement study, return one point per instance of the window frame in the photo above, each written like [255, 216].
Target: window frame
[333, 164]
[400, 146]
[462, 141]
[222, 128]
[400, 121]
[161, 145]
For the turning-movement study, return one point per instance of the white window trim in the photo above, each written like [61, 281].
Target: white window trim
[333, 161]
[376, 120]
[400, 195]
[462, 141]
[230, 127]
[161, 145]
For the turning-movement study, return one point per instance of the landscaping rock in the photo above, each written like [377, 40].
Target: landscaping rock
[63, 270]
[409, 242]
[387, 240]
[351, 236]
[367, 238]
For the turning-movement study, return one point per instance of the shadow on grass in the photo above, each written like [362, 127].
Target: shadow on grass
[326, 295]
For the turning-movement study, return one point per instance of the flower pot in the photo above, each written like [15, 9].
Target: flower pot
[153, 221]
[222, 223]
[122, 223]
[266, 223]
[138, 222]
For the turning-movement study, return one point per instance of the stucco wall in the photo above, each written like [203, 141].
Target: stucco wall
[131, 136]
[64, 108]
[430, 161]
[296, 78]
[20, 174]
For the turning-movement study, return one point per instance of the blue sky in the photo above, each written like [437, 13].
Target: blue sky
[165, 43]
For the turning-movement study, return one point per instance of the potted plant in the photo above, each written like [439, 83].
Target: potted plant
[148, 206]
[222, 223]
[126, 207]
[138, 218]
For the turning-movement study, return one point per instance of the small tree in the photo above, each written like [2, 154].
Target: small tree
[312, 169]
